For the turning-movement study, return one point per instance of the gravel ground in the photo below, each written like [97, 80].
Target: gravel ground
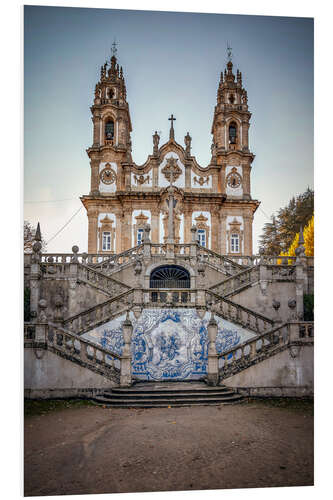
[75, 448]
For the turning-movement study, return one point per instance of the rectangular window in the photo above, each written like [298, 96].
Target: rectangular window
[235, 243]
[106, 243]
[139, 236]
[202, 237]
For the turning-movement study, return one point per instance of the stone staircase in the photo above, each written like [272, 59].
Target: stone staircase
[166, 394]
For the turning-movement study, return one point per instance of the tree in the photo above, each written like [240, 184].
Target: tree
[308, 234]
[279, 235]
[29, 237]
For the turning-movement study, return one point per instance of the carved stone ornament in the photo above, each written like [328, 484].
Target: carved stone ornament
[171, 165]
[108, 175]
[201, 180]
[234, 180]
[141, 179]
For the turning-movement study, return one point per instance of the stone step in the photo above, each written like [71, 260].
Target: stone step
[164, 394]
[150, 403]
[168, 395]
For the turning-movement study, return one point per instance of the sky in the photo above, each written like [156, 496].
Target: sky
[172, 63]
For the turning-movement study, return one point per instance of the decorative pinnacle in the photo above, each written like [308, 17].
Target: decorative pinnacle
[229, 52]
[114, 49]
[301, 237]
[38, 236]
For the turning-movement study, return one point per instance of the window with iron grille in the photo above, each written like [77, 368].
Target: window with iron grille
[170, 277]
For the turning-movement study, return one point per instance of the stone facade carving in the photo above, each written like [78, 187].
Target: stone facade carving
[122, 186]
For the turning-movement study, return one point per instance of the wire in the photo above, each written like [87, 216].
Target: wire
[264, 213]
[50, 201]
[63, 227]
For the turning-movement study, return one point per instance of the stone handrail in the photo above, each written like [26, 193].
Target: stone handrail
[116, 261]
[237, 281]
[224, 261]
[99, 314]
[170, 297]
[237, 313]
[87, 353]
[262, 346]
[96, 278]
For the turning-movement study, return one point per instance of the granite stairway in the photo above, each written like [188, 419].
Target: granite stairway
[167, 394]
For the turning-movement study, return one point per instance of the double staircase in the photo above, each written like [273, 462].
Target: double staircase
[166, 394]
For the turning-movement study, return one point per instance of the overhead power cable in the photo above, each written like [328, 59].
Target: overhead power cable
[63, 227]
[50, 201]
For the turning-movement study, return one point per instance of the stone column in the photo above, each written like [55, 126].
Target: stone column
[245, 134]
[187, 224]
[246, 182]
[96, 135]
[248, 219]
[187, 175]
[40, 334]
[155, 225]
[213, 367]
[119, 219]
[222, 179]
[35, 276]
[73, 271]
[223, 239]
[126, 229]
[126, 358]
[215, 230]
[146, 242]
[92, 230]
[94, 181]
[223, 134]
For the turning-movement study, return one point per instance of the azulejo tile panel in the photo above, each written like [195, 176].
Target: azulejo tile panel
[169, 344]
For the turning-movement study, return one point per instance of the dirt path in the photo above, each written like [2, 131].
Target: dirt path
[95, 450]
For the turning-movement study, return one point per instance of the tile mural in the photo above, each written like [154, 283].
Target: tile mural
[169, 344]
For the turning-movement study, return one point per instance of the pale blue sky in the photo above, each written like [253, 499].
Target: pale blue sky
[172, 63]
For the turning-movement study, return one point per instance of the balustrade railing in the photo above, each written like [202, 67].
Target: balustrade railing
[237, 313]
[86, 352]
[172, 297]
[236, 281]
[106, 283]
[100, 313]
[243, 355]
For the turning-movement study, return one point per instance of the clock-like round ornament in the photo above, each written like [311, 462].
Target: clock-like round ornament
[234, 180]
[108, 175]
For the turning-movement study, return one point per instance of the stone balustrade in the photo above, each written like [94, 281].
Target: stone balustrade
[237, 281]
[171, 297]
[87, 353]
[260, 347]
[237, 313]
[99, 314]
[94, 277]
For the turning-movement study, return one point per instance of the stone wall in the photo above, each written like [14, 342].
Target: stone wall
[48, 375]
[262, 301]
[281, 375]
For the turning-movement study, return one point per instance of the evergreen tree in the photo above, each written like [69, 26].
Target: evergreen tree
[278, 236]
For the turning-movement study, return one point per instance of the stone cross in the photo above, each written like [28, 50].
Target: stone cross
[172, 132]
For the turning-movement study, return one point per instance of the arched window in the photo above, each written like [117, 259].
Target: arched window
[232, 133]
[109, 130]
[170, 277]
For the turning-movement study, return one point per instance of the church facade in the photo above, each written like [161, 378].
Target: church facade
[125, 197]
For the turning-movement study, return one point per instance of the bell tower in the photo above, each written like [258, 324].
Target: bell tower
[230, 129]
[111, 126]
